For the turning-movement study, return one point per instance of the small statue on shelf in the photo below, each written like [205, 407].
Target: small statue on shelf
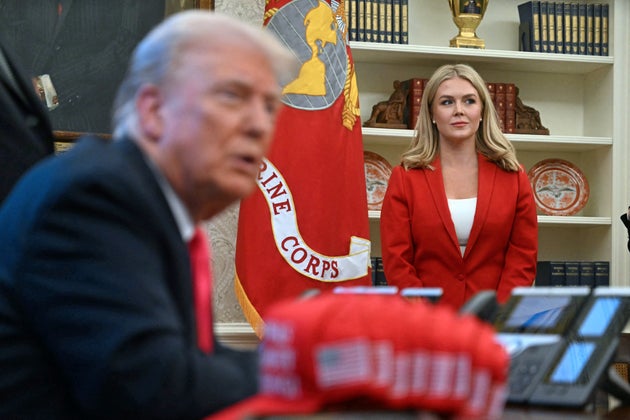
[389, 113]
[528, 119]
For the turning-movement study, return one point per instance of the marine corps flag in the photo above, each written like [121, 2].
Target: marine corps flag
[306, 227]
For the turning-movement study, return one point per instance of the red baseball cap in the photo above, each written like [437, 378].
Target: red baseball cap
[360, 351]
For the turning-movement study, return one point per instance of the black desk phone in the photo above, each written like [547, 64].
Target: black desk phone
[562, 341]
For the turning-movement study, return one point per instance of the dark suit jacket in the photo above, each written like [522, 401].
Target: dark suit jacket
[420, 246]
[96, 313]
[25, 132]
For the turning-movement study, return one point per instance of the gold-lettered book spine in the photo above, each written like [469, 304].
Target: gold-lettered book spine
[582, 29]
[348, 16]
[597, 29]
[361, 18]
[559, 28]
[590, 30]
[382, 21]
[574, 28]
[604, 29]
[404, 22]
[567, 28]
[396, 21]
[375, 24]
[536, 26]
[551, 21]
[389, 35]
[544, 27]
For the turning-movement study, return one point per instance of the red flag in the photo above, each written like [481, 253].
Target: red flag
[306, 227]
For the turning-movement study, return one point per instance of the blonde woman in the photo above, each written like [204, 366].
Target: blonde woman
[459, 212]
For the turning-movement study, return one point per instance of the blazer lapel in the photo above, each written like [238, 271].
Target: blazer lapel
[179, 282]
[436, 186]
[485, 187]
[61, 17]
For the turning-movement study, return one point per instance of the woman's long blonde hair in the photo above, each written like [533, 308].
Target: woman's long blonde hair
[489, 141]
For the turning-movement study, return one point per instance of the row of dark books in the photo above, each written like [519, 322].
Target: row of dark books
[377, 21]
[563, 27]
[503, 97]
[572, 273]
[548, 273]
[378, 276]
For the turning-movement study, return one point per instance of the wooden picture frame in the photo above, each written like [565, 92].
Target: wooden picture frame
[103, 53]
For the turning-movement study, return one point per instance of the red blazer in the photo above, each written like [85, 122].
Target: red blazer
[420, 248]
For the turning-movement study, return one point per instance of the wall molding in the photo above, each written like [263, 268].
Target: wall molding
[236, 334]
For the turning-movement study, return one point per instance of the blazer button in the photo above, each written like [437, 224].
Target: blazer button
[460, 277]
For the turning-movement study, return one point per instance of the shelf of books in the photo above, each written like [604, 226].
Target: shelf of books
[582, 101]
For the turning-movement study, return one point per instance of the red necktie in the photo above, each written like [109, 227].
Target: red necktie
[202, 288]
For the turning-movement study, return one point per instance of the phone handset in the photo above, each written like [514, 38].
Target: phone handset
[616, 386]
[483, 305]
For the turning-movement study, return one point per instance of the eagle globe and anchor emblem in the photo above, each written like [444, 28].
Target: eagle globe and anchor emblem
[310, 29]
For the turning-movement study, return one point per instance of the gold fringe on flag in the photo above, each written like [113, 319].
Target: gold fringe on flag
[351, 109]
[251, 314]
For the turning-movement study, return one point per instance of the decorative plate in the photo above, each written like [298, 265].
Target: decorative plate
[560, 187]
[377, 173]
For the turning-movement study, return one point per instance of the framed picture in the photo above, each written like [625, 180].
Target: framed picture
[78, 52]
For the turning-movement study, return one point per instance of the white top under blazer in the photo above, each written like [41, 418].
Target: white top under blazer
[463, 214]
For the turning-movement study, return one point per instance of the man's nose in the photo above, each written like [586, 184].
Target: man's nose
[261, 120]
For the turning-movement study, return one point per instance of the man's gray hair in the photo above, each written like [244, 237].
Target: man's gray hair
[159, 54]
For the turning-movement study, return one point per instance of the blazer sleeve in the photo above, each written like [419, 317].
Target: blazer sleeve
[397, 247]
[522, 251]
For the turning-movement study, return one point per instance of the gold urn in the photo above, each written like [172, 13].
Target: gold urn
[467, 15]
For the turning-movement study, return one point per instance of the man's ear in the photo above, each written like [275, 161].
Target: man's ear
[149, 104]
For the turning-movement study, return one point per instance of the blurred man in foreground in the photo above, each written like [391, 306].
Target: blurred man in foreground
[101, 310]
